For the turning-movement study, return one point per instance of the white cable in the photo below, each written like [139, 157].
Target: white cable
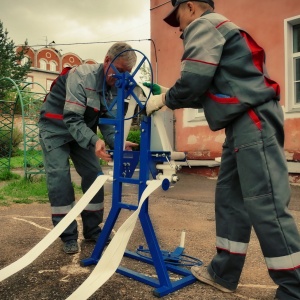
[114, 252]
[30, 256]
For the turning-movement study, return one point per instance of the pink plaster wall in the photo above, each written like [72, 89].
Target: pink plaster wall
[264, 20]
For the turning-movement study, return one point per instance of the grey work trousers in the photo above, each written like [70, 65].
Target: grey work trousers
[253, 191]
[60, 188]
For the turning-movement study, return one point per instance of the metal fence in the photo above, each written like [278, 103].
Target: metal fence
[21, 101]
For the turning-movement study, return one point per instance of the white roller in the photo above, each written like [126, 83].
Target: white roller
[130, 110]
[129, 113]
[114, 252]
[30, 256]
[156, 117]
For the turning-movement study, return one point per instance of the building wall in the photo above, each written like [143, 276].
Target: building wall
[264, 20]
[70, 59]
[43, 75]
[47, 55]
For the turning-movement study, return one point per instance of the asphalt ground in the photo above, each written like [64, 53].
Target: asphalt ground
[188, 206]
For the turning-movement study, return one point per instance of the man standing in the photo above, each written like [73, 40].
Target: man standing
[223, 72]
[68, 129]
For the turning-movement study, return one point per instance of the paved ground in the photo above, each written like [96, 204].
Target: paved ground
[187, 206]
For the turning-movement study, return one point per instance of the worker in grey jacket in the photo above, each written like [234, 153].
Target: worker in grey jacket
[68, 129]
[223, 72]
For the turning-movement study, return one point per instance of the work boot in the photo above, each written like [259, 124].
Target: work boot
[71, 247]
[201, 273]
[94, 237]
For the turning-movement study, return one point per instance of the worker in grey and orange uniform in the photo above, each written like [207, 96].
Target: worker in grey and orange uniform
[68, 130]
[223, 72]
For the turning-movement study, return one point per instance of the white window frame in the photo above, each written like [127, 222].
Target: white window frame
[193, 117]
[53, 66]
[48, 84]
[290, 101]
[43, 64]
[24, 60]
[29, 79]
[66, 65]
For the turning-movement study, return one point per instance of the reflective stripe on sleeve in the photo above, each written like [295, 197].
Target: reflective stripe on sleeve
[231, 246]
[287, 262]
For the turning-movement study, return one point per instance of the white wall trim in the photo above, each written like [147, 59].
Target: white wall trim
[193, 118]
[290, 106]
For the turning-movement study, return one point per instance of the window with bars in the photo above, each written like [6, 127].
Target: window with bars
[296, 62]
[292, 62]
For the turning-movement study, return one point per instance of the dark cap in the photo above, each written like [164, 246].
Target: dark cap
[171, 17]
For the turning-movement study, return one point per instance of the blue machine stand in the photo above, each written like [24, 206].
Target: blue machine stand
[125, 162]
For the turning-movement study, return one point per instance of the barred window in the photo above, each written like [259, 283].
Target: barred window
[292, 64]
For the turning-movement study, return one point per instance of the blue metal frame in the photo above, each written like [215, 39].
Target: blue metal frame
[125, 163]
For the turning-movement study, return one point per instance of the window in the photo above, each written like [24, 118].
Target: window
[24, 60]
[292, 62]
[52, 66]
[29, 80]
[48, 84]
[296, 55]
[43, 64]
[194, 117]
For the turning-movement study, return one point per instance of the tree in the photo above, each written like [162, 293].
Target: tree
[145, 73]
[10, 62]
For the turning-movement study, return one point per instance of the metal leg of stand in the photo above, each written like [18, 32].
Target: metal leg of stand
[163, 285]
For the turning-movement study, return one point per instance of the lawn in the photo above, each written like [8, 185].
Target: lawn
[17, 189]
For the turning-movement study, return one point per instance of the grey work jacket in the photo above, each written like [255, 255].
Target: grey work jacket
[72, 109]
[222, 71]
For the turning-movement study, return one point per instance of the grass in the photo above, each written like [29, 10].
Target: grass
[25, 191]
[17, 189]
[7, 175]
[17, 162]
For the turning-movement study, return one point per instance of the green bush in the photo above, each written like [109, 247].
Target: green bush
[7, 175]
[5, 140]
[134, 136]
[17, 138]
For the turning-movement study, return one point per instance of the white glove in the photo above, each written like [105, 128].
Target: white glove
[163, 89]
[154, 103]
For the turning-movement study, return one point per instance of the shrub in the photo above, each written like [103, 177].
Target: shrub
[7, 175]
[134, 136]
[5, 140]
[17, 138]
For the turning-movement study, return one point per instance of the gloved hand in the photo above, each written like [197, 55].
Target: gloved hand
[154, 103]
[156, 88]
